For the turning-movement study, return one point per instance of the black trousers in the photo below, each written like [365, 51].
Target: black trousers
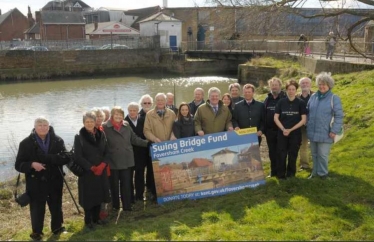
[120, 183]
[288, 149]
[272, 141]
[91, 215]
[139, 183]
[151, 186]
[54, 201]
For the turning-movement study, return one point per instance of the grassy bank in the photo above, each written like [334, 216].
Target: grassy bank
[340, 208]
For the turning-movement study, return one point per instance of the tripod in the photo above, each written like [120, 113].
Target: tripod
[67, 186]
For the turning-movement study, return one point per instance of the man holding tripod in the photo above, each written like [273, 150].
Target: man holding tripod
[40, 156]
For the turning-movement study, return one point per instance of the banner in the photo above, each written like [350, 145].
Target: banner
[206, 166]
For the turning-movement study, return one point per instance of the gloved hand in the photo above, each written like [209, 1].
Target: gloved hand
[62, 158]
[100, 168]
[94, 169]
[149, 144]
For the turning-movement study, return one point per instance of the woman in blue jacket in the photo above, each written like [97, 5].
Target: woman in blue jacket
[323, 106]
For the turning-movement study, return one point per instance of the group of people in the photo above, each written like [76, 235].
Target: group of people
[113, 148]
[330, 44]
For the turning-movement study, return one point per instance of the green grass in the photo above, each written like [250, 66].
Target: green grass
[340, 208]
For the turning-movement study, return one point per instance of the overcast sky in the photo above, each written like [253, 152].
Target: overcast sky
[6, 5]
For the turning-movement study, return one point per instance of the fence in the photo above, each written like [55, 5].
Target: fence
[140, 42]
[279, 46]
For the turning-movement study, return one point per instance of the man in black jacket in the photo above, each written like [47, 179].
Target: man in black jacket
[271, 129]
[249, 112]
[198, 100]
[38, 157]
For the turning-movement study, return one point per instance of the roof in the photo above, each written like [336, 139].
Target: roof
[35, 29]
[201, 162]
[160, 17]
[4, 16]
[62, 17]
[225, 151]
[141, 14]
[66, 3]
[110, 27]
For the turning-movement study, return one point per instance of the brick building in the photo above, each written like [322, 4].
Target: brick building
[61, 25]
[12, 25]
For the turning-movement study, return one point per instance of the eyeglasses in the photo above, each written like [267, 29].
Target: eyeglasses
[147, 103]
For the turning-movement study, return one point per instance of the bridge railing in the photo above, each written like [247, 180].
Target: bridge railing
[313, 48]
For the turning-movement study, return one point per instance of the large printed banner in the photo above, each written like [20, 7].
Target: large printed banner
[206, 166]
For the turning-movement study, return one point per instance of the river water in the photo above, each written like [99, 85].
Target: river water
[64, 102]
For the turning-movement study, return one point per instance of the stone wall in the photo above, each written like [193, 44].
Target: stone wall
[27, 65]
[255, 74]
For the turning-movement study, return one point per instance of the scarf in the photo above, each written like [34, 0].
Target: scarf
[43, 144]
[320, 95]
[117, 126]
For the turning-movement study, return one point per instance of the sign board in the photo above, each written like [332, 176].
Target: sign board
[207, 166]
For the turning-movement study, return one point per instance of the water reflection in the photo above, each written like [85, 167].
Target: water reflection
[63, 103]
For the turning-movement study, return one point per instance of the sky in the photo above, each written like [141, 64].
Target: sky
[6, 5]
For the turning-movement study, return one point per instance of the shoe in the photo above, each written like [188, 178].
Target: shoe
[311, 176]
[36, 236]
[281, 178]
[89, 227]
[304, 169]
[59, 231]
[325, 177]
[101, 222]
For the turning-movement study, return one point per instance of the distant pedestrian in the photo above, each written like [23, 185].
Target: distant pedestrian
[330, 45]
[302, 44]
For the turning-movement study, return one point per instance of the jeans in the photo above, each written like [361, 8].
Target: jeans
[320, 156]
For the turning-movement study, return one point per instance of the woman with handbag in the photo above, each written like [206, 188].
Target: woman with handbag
[93, 186]
[38, 157]
[323, 106]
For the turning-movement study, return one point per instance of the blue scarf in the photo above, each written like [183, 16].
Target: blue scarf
[320, 95]
[44, 145]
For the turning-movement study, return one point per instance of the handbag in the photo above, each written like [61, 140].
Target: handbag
[72, 165]
[24, 199]
[340, 134]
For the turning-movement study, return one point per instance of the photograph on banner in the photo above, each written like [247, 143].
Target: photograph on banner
[206, 166]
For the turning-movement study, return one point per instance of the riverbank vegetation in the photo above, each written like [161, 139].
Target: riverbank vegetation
[338, 208]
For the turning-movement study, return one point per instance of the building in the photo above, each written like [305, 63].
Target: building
[61, 25]
[108, 29]
[33, 32]
[200, 163]
[12, 25]
[67, 5]
[133, 17]
[225, 157]
[168, 28]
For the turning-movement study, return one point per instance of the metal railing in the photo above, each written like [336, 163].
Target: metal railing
[140, 42]
[317, 49]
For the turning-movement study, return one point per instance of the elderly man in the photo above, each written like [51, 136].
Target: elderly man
[159, 121]
[234, 89]
[249, 112]
[305, 84]
[141, 154]
[170, 102]
[213, 116]
[271, 129]
[198, 100]
[38, 157]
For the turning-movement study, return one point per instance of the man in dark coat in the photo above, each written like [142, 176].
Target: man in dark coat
[38, 157]
[141, 154]
[197, 101]
[271, 129]
[249, 112]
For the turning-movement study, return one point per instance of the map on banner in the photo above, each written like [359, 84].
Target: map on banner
[206, 166]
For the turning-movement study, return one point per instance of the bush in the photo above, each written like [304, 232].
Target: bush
[5, 194]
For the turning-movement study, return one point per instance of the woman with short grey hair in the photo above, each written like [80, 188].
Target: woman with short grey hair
[93, 187]
[324, 107]
[100, 117]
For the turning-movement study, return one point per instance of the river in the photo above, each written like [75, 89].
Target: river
[64, 102]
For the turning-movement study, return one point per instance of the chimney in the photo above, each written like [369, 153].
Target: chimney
[29, 17]
[37, 16]
[96, 25]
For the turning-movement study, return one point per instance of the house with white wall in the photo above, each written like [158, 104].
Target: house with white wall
[168, 28]
[225, 157]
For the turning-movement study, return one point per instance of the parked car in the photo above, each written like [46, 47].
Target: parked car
[20, 48]
[38, 48]
[123, 47]
[108, 46]
[87, 47]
